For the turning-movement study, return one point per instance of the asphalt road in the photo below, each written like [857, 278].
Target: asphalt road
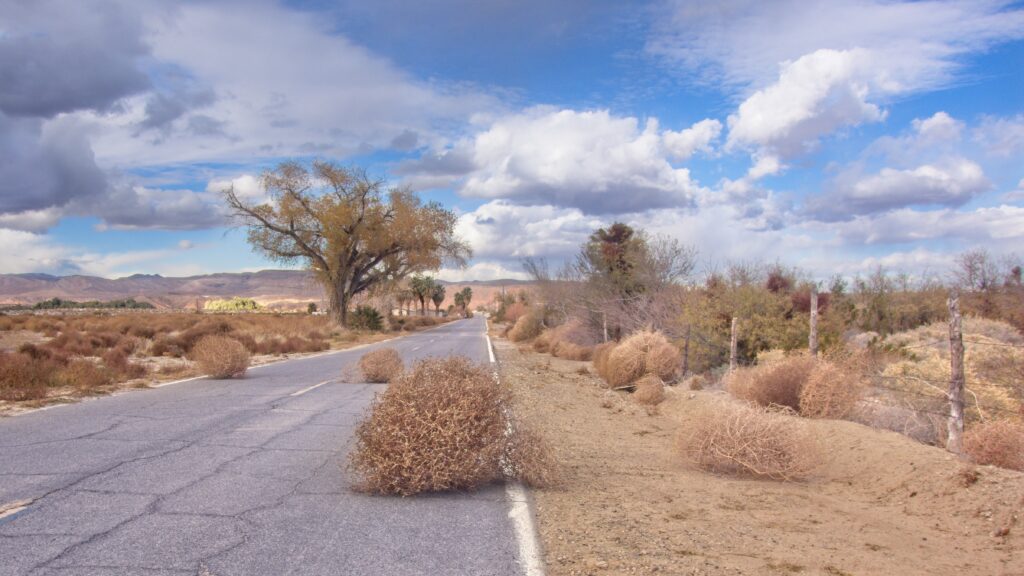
[235, 477]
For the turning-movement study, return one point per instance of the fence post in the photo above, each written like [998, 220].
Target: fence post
[604, 324]
[812, 338]
[954, 443]
[732, 345]
[686, 352]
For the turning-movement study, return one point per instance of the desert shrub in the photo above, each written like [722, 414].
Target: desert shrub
[165, 346]
[116, 360]
[830, 392]
[366, 318]
[23, 377]
[600, 358]
[542, 343]
[644, 352]
[529, 459]
[996, 442]
[381, 365]
[528, 326]
[650, 390]
[85, 376]
[749, 440]
[926, 426]
[571, 351]
[776, 384]
[515, 311]
[220, 356]
[438, 427]
[572, 340]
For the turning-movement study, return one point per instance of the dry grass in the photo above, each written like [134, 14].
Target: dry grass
[996, 442]
[438, 427]
[381, 366]
[24, 378]
[650, 390]
[85, 376]
[644, 352]
[528, 326]
[220, 356]
[749, 440]
[777, 383]
[830, 392]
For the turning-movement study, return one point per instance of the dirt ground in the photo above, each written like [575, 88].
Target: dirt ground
[881, 503]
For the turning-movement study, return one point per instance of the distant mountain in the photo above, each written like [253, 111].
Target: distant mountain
[275, 288]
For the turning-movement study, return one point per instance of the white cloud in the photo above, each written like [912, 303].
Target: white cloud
[278, 82]
[589, 160]
[697, 138]
[815, 95]
[246, 186]
[29, 252]
[32, 220]
[919, 45]
[481, 271]
[952, 183]
[499, 229]
[1001, 136]
[1016, 195]
[996, 224]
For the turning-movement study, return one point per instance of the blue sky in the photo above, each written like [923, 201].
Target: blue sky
[836, 136]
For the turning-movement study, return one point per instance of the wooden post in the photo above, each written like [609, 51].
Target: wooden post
[954, 443]
[686, 352]
[604, 324]
[812, 339]
[732, 345]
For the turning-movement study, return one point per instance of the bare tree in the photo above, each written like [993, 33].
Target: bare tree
[352, 233]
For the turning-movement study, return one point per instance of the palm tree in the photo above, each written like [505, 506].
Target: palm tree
[437, 296]
[467, 295]
[423, 288]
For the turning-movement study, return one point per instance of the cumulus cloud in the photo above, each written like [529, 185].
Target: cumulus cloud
[499, 229]
[919, 45]
[590, 160]
[950, 184]
[814, 96]
[697, 138]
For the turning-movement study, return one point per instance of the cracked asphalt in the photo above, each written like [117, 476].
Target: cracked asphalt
[235, 477]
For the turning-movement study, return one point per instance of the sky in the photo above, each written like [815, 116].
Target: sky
[836, 136]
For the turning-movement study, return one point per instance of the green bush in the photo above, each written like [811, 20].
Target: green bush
[232, 305]
[366, 318]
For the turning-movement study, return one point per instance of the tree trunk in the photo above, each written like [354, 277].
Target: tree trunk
[339, 305]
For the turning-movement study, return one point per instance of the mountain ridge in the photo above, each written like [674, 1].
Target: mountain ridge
[270, 287]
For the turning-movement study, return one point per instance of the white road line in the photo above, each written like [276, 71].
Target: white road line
[519, 511]
[313, 387]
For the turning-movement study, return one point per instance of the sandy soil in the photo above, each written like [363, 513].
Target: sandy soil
[881, 504]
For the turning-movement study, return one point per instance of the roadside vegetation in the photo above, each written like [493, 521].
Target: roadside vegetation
[636, 306]
[58, 356]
